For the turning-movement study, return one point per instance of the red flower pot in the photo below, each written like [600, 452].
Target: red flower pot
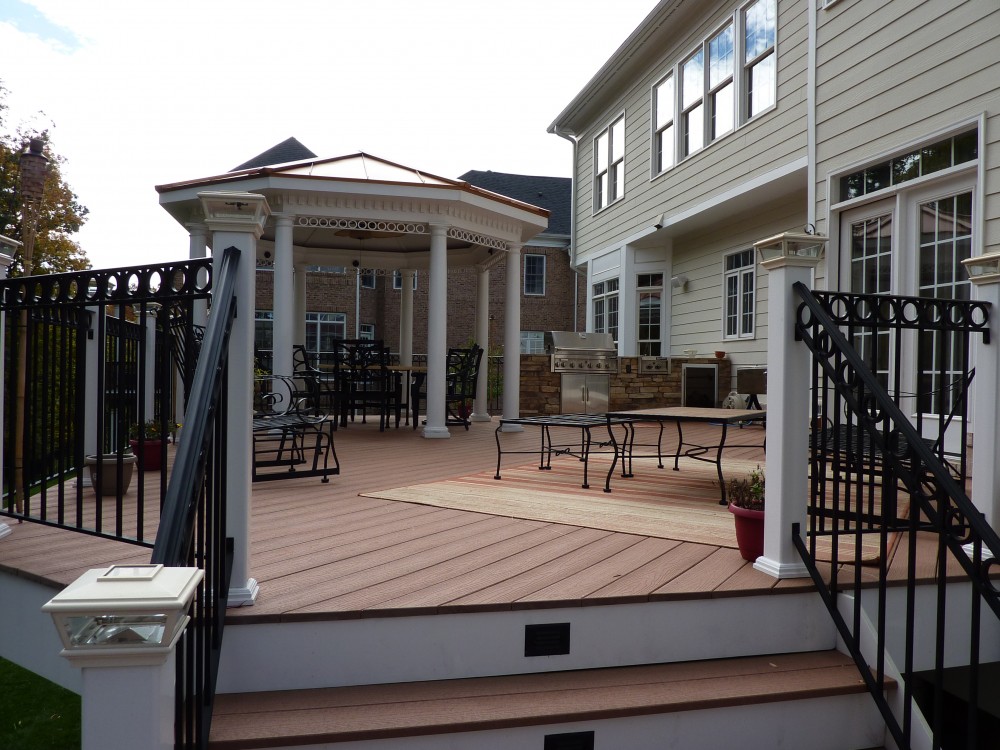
[749, 531]
[148, 454]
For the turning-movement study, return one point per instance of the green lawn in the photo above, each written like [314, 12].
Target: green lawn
[36, 714]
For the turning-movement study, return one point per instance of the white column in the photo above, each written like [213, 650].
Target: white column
[512, 339]
[5, 261]
[437, 334]
[406, 317]
[242, 232]
[283, 332]
[299, 331]
[786, 493]
[986, 463]
[481, 407]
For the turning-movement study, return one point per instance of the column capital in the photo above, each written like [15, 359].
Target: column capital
[283, 219]
[235, 212]
[514, 247]
[438, 229]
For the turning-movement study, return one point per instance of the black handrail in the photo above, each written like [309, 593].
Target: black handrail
[877, 449]
[192, 528]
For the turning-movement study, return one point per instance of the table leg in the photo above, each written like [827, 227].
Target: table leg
[496, 434]
[680, 444]
[718, 464]
[545, 456]
[585, 455]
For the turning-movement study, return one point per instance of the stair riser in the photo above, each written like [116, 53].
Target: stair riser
[831, 723]
[290, 656]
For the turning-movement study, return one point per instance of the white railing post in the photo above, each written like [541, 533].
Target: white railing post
[5, 261]
[786, 490]
[120, 626]
[984, 273]
[237, 220]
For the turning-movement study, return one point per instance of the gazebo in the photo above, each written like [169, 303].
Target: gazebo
[365, 212]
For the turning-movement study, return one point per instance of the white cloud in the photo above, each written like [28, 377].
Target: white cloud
[157, 93]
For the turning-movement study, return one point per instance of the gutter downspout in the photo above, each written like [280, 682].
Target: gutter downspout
[574, 266]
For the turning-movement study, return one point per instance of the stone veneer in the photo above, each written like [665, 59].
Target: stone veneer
[641, 383]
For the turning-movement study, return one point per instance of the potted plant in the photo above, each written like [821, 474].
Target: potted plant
[147, 443]
[746, 503]
[104, 472]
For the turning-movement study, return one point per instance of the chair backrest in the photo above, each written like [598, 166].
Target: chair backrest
[463, 371]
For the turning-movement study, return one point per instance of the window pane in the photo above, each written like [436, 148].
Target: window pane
[618, 140]
[694, 129]
[723, 110]
[762, 85]
[694, 79]
[534, 274]
[602, 152]
[665, 149]
[665, 102]
[720, 57]
[936, 157]
[761, 22]
[617, 182]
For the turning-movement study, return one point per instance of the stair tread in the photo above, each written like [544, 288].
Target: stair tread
[365, 712]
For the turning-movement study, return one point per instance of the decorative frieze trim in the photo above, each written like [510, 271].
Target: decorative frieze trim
[368, 225]
[475, 238]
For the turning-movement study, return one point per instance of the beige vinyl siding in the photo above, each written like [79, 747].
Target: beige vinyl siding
[771, 140]
[696, 314]
[890, 74]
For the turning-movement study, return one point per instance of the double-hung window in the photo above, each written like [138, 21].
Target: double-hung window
[606, 307]
[534, 275]
[740, 284]
[663, 136]
[760, 23]
[609, 164]
[721, 89]
[367, 276]
[693, 103]
[324, 328]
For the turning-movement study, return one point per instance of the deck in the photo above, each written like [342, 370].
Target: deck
[324, 551]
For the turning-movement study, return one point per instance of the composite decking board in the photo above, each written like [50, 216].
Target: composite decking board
[475, 573]
[583, 583]
[369, 712]
[515, 590]
[375, 568]
[348, 545]
[704, 579]
[445, 579]
[421, 570]
[392, 555]
[639, 583]
[746, 580]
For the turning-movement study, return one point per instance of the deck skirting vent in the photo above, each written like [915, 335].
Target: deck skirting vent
[570, 741]
[548, 639]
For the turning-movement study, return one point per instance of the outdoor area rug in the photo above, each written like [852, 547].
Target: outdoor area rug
[681, 505]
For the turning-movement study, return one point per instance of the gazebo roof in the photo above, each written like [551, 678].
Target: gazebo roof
[370, 210]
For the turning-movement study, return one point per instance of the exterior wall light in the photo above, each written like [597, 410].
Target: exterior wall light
[125, 614]
[983, 269]
[791, 248]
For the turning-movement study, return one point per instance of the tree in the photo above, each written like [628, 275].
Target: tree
[60, 214]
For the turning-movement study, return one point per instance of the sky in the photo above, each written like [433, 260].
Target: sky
[138, 94]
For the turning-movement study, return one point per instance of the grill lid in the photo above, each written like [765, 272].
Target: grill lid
[583, 342]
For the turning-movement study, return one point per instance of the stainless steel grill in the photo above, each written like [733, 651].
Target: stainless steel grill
[586, 362]
[571, 351]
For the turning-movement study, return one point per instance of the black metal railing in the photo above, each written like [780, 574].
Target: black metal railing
[192, 528]
[87, 366]
[884, 486]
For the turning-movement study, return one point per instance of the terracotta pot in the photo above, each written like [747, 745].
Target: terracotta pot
[107, 483]
[749, 531]
[149, 454]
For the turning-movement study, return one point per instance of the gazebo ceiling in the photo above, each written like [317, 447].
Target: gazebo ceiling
[363, 209]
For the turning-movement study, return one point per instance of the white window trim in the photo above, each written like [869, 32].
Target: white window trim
[524, 275]
[597, 208]
[739, 274]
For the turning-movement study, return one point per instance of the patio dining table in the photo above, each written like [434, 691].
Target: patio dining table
[680, 415]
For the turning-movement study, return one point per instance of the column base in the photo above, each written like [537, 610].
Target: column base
[481, 418]
[5, 530]
[780, 570]
[970, 549]
[436, 432]
[244, 596]
[512, 428]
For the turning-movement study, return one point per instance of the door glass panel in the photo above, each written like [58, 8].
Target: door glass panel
[871, 264]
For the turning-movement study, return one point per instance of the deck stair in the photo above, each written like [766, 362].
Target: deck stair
[787, 700]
